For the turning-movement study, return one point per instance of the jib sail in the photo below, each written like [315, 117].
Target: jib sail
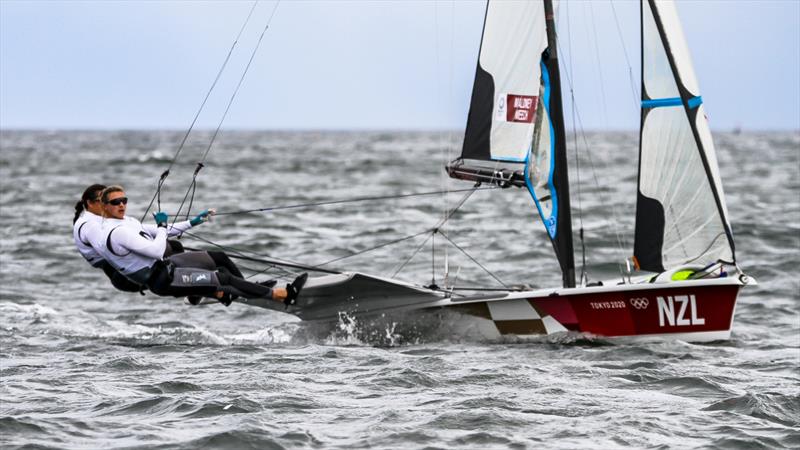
[681, 215]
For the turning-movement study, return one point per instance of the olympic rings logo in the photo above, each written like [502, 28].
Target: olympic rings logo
[639, 303]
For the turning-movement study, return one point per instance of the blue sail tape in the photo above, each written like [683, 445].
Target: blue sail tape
[549, 222]
[661, 102]
[693, 102]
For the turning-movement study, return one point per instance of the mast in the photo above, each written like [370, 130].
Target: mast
[562, 241]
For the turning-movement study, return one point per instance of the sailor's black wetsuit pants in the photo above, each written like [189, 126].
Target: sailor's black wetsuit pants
[202, 273]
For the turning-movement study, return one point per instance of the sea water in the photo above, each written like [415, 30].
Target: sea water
[84, 366]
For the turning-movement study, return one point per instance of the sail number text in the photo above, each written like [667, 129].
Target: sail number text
[680, 310]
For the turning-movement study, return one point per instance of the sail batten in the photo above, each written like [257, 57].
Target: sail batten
[681, 209]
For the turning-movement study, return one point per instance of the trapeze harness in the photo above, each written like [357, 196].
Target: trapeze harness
[141, 253]
[88, 225]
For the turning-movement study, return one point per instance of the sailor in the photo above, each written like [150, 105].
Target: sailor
[140, 253]
[87, 221]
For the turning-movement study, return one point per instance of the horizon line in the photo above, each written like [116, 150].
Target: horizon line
[337, 129]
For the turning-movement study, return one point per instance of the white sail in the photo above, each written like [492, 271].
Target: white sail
[681, 213]
[516, 117]
[505, 95]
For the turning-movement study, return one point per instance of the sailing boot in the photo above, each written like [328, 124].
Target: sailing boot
[293, 289]
[226, 298]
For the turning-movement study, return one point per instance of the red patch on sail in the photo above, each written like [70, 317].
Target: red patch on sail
[521, 108]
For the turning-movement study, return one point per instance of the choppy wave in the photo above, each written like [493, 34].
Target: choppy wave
[83, 366]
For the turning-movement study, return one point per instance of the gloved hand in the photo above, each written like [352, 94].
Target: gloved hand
[203, 217]
[161, 218]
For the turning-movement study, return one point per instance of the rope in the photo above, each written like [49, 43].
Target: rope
[264, 259]
[636, 96]
[272, 263]
[608, 200]
[343, 201]
[578, 183]
[157, 194]
[473, 259]
[193, 184]
[429, 230]
[374, 248]
[414, 254]
[601, 81]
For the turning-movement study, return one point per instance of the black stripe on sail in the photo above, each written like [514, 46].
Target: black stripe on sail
[649, 238]
[479, 122]
[691, 114]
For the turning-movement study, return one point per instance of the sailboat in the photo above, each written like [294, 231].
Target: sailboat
[683, 279]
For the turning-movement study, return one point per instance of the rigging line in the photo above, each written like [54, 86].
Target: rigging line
[433, 229]
[445, 137]
[599, 64]
[192, 189]
[615, 213]
[265, 259]
[395, 241]
[450, 96]
[352, 200]
[441, 103]
[433, 258]
[269, 268]
[230, 102]
[451, 80]
[577, 156]
[457, 207]
[402, 266]
[233, 253]
[621, 240]
[164, 175]
[636, 96]
[473, 259]
[241, 79]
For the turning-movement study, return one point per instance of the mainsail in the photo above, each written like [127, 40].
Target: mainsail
[681, 215]
[515, 128]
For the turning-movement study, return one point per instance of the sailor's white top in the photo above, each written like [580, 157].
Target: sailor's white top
[132, 247]
[83, 230]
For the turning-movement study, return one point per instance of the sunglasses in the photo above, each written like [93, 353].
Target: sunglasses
[118, 201]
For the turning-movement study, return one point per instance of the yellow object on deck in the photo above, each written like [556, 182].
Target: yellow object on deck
[682, 275]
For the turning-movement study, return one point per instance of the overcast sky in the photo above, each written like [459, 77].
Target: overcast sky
[363, 64]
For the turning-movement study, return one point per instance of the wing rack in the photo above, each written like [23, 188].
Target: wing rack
[503, 177]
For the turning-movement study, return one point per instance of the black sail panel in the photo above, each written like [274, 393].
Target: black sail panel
[479, 121]
[649, 238]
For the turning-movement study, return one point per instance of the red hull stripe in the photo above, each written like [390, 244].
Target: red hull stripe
[655, 311]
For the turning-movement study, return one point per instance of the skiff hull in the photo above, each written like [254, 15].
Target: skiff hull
[694, 310]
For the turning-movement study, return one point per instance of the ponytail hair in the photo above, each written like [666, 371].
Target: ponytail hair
[92, 193]
[78, 211]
